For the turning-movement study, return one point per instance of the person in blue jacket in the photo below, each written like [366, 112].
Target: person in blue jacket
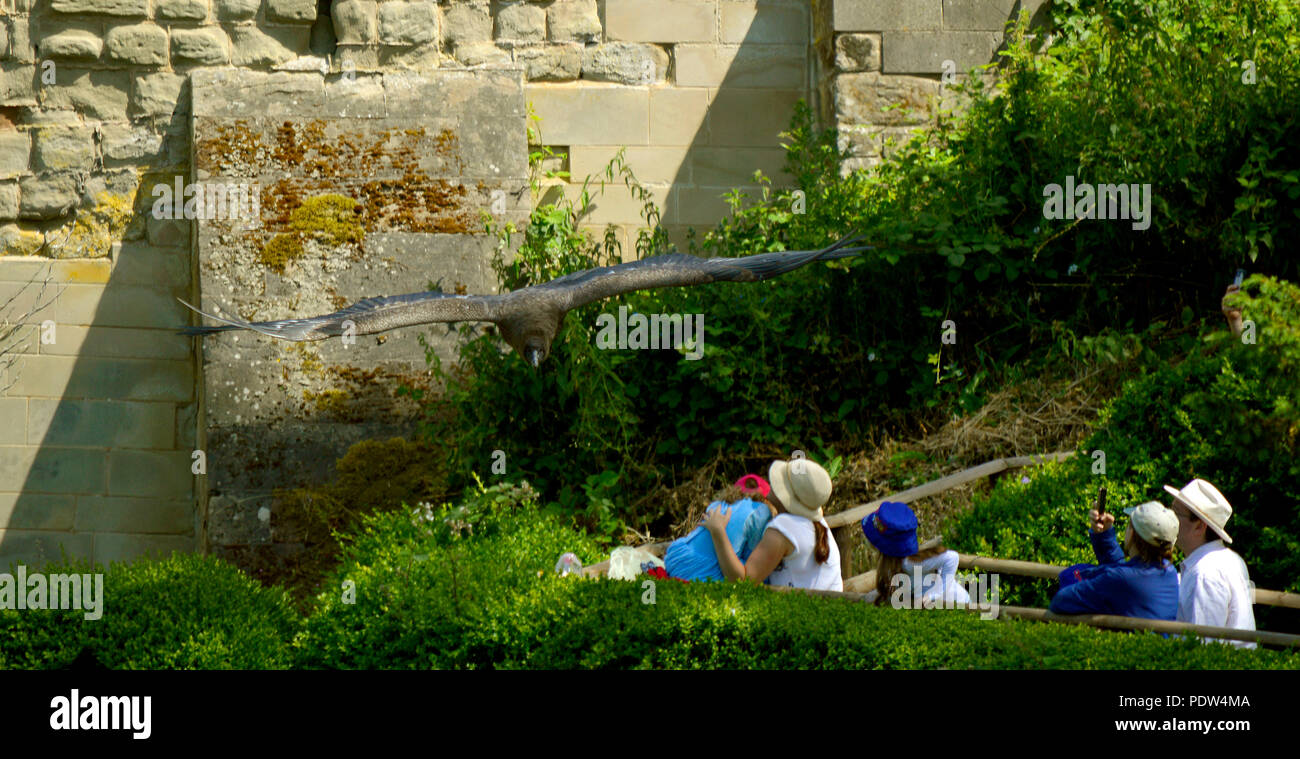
[1144, 586]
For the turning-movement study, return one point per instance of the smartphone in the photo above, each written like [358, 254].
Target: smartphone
[1101, 500]
[1241, 275]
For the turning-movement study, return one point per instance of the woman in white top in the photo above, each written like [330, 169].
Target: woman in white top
[796, 549]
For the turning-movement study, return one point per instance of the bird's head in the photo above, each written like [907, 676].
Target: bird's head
[535, 352]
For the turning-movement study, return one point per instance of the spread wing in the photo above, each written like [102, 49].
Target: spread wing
[367, 316]
[681, 270]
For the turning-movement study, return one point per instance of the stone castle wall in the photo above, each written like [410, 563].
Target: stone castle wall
[97, 111]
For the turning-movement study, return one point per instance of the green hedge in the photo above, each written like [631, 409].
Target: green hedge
[185, 612]
[472, 586]
[427, 597]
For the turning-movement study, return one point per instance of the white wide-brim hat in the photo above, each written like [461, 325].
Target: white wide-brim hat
[802, 485]
[1207, 503]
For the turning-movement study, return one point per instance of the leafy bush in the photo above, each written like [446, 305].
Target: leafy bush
[1229, 413]
[420, 582]
[185, 612]
[1126, 92]
[474, 588]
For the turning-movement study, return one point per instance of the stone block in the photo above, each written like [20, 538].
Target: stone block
[168, 270]
[35, 548]
[746, 66]
[625, 63]
[118, 343]
[14, 410]
[181, 10]
[138, 44]
[113, 547]
[232, 94]
[20, 239]
[881, 15]
[168, 516]
[654, 165]
[301, 11]
[591, 115]
[355, 21]
[735, 167]
[987, 15]
[21, 49]
[763, 22]
[617, 206]
[129, 8]
[750, 118]
[857, 52]
[119, 306]
[15, 150]
[128, 144]
[925, 52]
[100, 95]
[662, 20]
[63, 148]
[100, 424]
[521, 22]
[9, 204]
[678, 115]
[700, 207]
[17, 83]
[158, 94]
[36, 511]
[487, 53]
[209, 46]
[407, 23]
[236, 10]
[550, 62]
[47, 197]
[50, 469]
[72, 44]
[574, 21]
[465, 23]
[124, 379]
[871, 98]
[254, 47]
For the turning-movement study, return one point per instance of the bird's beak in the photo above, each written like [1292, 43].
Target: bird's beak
[534, 357]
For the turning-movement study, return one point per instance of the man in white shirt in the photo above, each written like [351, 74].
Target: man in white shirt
[1214, 585]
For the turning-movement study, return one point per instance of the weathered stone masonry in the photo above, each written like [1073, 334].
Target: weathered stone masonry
[103, 101]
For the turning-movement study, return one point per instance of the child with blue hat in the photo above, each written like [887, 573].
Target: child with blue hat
[932, 573]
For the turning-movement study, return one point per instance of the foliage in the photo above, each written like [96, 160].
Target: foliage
[432, 593]
[185, 612]
[1229, 413]
[423, 578]
[1123, 92]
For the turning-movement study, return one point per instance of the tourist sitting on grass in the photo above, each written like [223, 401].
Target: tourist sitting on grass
[693, 557]
[1144, 586]
[906, 576]
[796, 550]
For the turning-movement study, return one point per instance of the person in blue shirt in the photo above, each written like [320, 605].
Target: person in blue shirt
[1146, 585]
[693, 556]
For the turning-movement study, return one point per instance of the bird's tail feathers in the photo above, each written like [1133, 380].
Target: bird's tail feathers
[274, 329]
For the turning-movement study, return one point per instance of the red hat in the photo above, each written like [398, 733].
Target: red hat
[752, 483]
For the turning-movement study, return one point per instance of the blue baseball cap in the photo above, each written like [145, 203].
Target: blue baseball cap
[891, 529]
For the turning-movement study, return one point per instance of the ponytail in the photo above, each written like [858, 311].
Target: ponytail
[822, 551]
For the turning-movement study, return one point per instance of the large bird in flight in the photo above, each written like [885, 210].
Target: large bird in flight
[530, 318]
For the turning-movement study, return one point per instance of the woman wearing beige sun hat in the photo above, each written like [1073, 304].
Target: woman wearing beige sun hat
[796, 549]
[1214, 586]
